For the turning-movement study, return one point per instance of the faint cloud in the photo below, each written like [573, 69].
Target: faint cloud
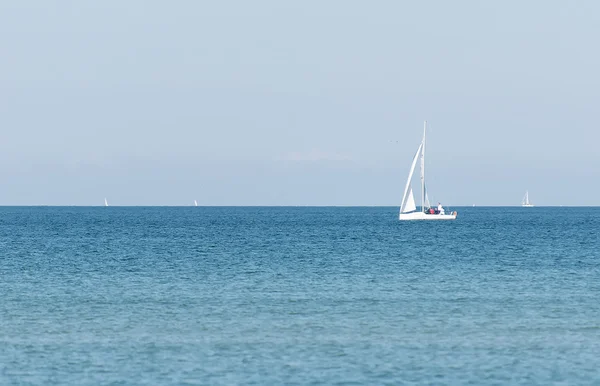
[315, 155]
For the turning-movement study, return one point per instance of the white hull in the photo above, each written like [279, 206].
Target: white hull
[424, 216]
[527, 205]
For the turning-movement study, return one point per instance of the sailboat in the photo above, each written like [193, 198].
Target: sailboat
[105, 202]
[525, 202]
[195, 203]
[408, 208]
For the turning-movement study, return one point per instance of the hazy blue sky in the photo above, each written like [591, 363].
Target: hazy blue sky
[297, 102]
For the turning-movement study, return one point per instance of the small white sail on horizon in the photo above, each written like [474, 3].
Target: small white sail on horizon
[105, 202]
[525, 202]
[195, 203]
[408, 208]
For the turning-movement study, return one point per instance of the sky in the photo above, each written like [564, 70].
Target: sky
[274, 102]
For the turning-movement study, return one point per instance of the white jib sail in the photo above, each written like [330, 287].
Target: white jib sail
[410, 205]
[405, 197]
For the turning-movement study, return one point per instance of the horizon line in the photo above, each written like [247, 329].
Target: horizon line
[283, 206]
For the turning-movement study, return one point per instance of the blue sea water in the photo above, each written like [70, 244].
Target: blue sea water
[298, 295]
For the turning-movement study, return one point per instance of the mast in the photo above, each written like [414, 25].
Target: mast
[423, 169]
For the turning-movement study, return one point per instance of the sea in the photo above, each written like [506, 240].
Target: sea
[298, 296]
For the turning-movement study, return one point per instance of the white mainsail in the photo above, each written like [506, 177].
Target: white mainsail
[195, 203]
[105, 202]
[423, 194]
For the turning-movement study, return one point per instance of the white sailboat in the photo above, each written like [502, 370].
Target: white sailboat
[195, 203]
[408, 208]
[525, 202]
[105, 202]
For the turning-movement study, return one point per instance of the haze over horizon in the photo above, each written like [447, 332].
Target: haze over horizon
[271, 103]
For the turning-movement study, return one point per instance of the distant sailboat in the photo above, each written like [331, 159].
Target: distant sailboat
[408, 208]
[525, 202]
[195, 203]
[105, 202]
